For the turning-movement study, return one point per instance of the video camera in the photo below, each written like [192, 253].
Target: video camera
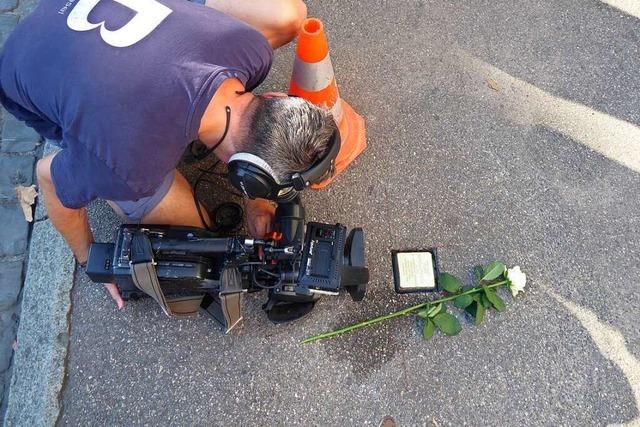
[186, 269]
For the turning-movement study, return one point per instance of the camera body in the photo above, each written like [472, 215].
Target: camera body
[295, 264]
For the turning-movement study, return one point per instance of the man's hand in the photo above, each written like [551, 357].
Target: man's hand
[115, 294]
[260, 214]
[73, 224]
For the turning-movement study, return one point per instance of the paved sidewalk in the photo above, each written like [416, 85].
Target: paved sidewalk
[19, 146]
[483, 120]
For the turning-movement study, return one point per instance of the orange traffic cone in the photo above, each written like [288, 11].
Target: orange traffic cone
[313, 80]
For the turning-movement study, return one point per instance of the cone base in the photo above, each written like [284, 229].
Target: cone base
[354, 142]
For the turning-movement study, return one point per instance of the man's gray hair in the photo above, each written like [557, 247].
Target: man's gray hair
[288, 133]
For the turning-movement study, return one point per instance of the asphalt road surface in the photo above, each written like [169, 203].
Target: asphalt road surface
[497, 130]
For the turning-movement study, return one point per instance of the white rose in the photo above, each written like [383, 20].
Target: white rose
[517, 280]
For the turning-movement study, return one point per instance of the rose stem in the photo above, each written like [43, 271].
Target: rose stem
[400, 313]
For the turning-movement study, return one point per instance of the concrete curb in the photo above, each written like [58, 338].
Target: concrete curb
[43, 333]
[19, 149]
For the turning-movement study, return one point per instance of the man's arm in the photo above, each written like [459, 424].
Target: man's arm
[73, 224]
[277, 20]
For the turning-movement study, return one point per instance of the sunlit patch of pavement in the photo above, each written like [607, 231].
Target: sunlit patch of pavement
[630, 7]
[611, 344]
[614, 138]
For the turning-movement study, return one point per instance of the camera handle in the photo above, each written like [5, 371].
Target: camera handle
[145, 277]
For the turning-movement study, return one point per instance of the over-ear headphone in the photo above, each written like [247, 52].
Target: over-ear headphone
[256, 179]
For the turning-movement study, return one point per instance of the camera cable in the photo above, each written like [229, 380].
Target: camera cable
[233, 223]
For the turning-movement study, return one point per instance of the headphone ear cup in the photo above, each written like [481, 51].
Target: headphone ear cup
[251, 180]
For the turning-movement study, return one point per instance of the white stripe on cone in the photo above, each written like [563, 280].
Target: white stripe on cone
[313, 76]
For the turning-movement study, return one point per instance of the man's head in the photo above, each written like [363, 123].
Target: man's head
[288, 133]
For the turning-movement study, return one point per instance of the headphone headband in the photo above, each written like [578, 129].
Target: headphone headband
[323, 165]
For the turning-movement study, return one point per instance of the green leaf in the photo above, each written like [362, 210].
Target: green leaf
[423, 314]
[462, 301]
[485, 301]
[478, 271]
[479, 317]
[435, 310]
[428, 329]
[495, 299]
[447, 323]
[493, 271]
[449, 282]
[476, 310]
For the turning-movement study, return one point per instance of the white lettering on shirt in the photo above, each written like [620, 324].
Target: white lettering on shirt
[149, 14]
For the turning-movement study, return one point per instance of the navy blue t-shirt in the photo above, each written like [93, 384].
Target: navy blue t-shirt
[123, 84]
